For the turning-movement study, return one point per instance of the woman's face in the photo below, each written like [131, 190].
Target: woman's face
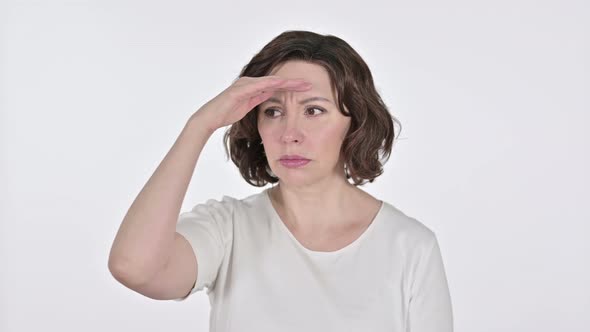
[290, 125]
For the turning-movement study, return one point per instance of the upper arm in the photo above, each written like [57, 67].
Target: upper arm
[207, 229]
[178, 276]
[430, 306]
[202, 234]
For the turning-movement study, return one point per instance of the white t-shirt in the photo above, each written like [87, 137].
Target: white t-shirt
[260, 278]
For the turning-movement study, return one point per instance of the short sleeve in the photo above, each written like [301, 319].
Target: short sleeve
[430, 308]
[208, 227]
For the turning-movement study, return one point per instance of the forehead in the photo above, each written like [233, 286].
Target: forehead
[311, 72]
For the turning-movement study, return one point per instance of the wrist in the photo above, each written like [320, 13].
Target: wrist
[203, 121]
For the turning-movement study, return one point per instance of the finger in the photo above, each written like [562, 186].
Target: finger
[256, 100]
[271, 84]
[291, 87]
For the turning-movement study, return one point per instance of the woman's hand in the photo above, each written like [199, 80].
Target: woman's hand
[233, 103]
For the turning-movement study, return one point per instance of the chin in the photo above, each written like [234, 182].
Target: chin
[299, 179]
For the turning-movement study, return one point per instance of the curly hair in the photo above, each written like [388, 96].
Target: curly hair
[371, 132]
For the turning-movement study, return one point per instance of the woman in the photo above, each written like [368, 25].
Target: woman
[312, 253]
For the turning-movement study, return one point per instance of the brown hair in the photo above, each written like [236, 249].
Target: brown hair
[371, 130]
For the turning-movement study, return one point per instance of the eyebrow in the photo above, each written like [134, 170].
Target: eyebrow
[304, 101]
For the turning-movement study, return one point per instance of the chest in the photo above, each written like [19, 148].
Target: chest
[288, 291]
[329, 241]
[335, 238]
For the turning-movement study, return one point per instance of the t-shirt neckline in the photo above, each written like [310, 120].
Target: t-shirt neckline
[276, 217]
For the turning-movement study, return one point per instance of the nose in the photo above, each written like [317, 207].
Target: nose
[291, 131]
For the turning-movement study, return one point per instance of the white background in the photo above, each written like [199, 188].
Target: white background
[492, 156]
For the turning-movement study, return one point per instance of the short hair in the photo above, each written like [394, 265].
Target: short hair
[371, 132]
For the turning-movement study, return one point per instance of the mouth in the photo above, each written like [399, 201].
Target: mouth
[294, 163]
[293, 157]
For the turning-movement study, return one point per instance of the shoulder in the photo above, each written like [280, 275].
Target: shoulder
[228, 205]
[407, 231]
[226, 202]
[213, 209]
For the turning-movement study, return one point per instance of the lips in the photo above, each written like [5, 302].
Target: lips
[294, 163]
[293, 157]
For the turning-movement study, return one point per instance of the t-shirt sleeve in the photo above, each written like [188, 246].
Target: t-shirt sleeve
[208, 227]
[430, 307]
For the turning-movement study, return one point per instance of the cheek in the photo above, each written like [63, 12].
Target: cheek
[262, 128]
[330, 139]
[264, 132]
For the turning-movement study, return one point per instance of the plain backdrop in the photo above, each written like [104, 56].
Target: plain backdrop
[493, 155]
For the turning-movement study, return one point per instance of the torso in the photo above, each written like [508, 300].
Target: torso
[331, 242]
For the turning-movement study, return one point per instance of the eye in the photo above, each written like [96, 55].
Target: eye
[268, 111]
[316, 108]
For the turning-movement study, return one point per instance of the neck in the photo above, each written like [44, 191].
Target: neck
[318, 207]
